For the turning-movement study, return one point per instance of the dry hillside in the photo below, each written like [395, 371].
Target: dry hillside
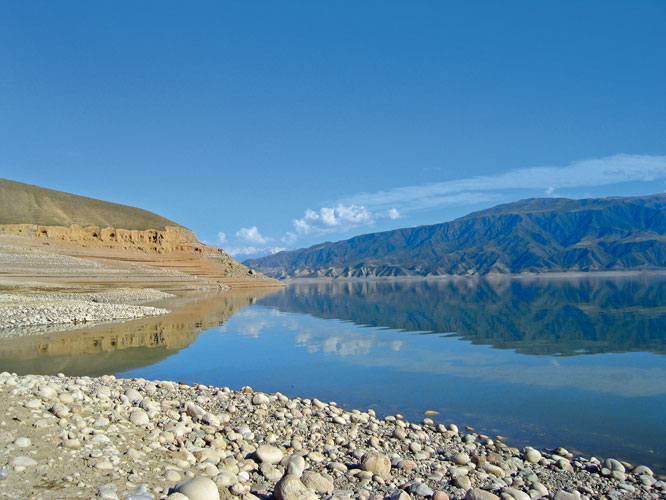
[128, 245]
[27, 204]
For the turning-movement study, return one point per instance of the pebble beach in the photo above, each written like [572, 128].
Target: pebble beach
[27, 314]
[134, 439]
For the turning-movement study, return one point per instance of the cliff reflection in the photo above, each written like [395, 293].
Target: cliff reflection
[532, 316]
[111, 348]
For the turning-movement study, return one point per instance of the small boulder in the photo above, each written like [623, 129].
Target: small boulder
[269, 454]
[291, 488]
[460, 458]
[531, 455]
[133, 395]
[198, 488]
[377, 463]
[400, 495]
[260, 398]
[479, 494]
[317, 482]
[139, 417]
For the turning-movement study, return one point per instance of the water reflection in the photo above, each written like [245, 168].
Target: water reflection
[366, 344]
[116, 347]
[380, 349]
[564, 317]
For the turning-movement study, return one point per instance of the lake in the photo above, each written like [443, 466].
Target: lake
[578, 363]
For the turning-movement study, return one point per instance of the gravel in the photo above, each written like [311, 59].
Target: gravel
[21, 312]
[140, 439]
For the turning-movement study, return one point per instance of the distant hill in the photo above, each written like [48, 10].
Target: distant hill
[534, 235]
[26, 204]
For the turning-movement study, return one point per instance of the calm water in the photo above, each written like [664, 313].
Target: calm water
[559, 362]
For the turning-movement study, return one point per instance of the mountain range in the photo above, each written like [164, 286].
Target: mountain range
[537, 235]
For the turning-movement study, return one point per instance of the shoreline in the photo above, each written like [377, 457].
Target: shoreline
[70, 437]
[27, 313]
[576, 275]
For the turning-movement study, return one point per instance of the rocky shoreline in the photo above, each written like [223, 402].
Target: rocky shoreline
[133, 439]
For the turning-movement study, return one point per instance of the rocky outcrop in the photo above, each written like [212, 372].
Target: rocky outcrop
[171, 239]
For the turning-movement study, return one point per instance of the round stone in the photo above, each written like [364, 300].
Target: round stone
[226, 478]
[260, 399]
[462, 482]
[46, 392]
[172, 476]
[101, 422]
[460, 458]
[268, 454]
[479, 494]
[317, 482]
[614, 465]
[517, 494]
[398, 433]
[72, 444]
[139, 417]
[22, 462]
[198, 488]
[531, 455]
[377, 463]
[108, 492]
[400, 495]
[270, 472]
[33, 404]
[296, 465]
[421, 489]
[133, 395]
[291, 488]
[22, 442]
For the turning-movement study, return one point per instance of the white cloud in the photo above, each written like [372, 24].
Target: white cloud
[251, 235]
[301, 226]
[393, 214]
[289, 238]
[586, 173]
[234, 251]
[339, 217]
[221, 237]
[253, 251]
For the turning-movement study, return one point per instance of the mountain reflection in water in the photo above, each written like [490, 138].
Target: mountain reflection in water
[564, 316]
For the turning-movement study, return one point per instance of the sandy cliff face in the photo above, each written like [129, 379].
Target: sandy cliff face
[173, 249]
[171, 239]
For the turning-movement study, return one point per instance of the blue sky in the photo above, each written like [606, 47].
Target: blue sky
[284, 124]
